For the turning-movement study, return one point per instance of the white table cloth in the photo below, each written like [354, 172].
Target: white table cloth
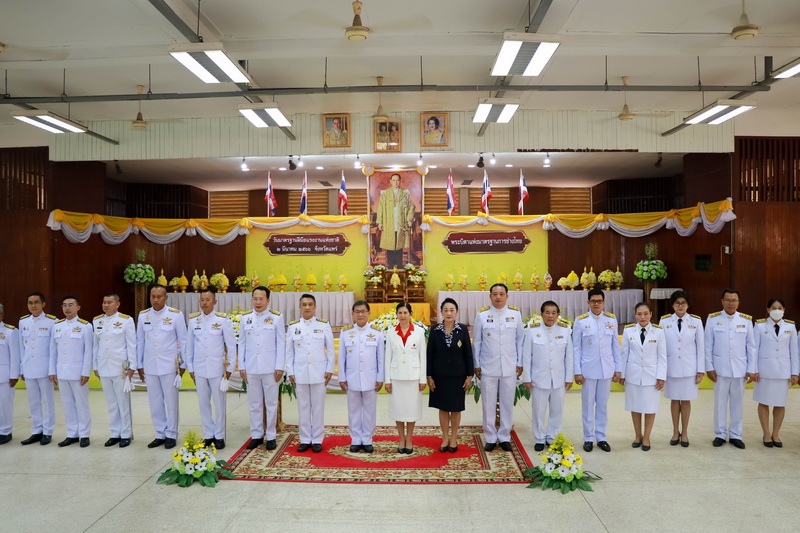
[662, 293]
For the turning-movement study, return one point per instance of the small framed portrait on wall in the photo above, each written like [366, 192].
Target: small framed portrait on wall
[387, 136]
[336, 130]
[434, 129]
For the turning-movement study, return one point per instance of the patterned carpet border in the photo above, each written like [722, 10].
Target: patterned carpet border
[427, 465]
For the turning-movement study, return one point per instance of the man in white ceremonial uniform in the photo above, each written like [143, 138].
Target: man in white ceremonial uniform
[9, 375]
[310, 360]
[262, 357]
[210, 358]
[361, 375]
[730, 348]
[71, 348]
[596, 364]
[160, 340]
[114, 362]
[34, 337]
[547, 373]
[498, 342]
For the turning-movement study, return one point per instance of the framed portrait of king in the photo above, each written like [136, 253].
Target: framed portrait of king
[336, 130]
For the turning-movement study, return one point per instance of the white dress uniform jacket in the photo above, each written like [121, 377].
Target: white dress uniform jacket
[361, 357]
[730, 345]
[777, 353]
[309, 350]
[160, 339]
[115, 344]
[71, 348]
[262, 342]
[643, 364]
[548, 356]
[9, 369]
[685, 348]
[498, 341]
[595, 346]
[210, 342]
[34, 336]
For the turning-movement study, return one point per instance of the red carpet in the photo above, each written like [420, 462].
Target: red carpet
[335, 464]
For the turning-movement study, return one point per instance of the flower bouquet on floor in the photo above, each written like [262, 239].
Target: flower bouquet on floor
[560, 469]
[195, 462]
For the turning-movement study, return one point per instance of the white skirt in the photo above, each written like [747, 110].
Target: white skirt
[771, 392]
[405, 401]
[641, 398]
[683, 389]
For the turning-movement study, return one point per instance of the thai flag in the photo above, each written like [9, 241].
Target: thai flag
[487, 193]
[452, 203]
[343, 197]
[304, 195]
[523, 193]
[269, 197]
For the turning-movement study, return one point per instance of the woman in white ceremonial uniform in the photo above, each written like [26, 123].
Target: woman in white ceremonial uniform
[776, 366]
[644, 371]
[686, 364]
[405, 375]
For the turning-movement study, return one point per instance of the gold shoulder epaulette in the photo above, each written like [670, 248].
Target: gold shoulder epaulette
[748, 317]
[124, 316]
[482, 309]
[697, 317]
[274, 312]
[9, 326]
[53, 317]
[715, 314]
[221, 314]
[563, 323]
[145, 310]
[173, 310]
[377, 328]
[581, 317]
[657, 326]
[247, 312]
[666, 316]
[26, 316]
[347, 327]
[535, 325]
[82, 321]
[60, 320]
[195, 314]
[294, 321]
[761, 320]
[322, 320]
[610, 315]
[513, 307]
[788, 321]
[629, 326]
[98, 316]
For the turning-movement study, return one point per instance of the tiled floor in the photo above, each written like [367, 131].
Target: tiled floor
[699, 488]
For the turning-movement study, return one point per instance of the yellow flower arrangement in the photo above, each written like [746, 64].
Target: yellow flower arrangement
[560, 468]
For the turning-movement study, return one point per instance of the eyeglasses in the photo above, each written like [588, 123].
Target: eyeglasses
[681, 304]
[730, 301]
[68, 305]
[596, 302]
[361, 312]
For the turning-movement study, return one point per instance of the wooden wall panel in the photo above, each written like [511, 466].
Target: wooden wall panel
[707, 177]
[79, 186]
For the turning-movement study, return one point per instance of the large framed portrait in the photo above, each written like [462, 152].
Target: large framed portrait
[336, 130]
[387, 136]
[395, 205]
[434, 129]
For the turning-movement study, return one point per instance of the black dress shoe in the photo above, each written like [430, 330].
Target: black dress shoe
[645, 448]
[717, 442]
[85, 442]
[5, 438]
[369, 448]
[316, 447]
[490, 446]
[46, 439]
[637, 444]
[255, 443]
[675, 442]
[304, 446]
[124, 443]
[271, 444]
[768, 443]
[603, 445]
[739, 443]
[156, 443]
[685, 443]
[68, 442]
[538, 447]
[355, 448]
[453, 449]
[505, 446]
[112, 441]
[208, 442]
[443, 448]
[401, 450]
[36, 437]
[588, 446]
[408, 451]
[776, 443]
[219, 444]
[169, 443]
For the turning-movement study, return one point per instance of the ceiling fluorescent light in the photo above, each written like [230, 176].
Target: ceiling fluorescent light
[787, 71]
[210, 63]
[264, 115]
[495, 110]
[49, 121]
[720, 111]
[524, 54]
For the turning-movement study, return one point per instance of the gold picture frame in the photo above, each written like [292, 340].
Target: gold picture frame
[387, 136]
[437, 133]
[336, 130]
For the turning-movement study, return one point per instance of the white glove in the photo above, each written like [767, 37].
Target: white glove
[223, 385]
[178, 381]
[128, 386]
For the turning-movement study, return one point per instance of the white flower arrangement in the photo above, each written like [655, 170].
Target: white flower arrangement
[560, 469]
[194, 462]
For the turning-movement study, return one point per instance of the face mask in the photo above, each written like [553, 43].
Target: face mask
[776, 314]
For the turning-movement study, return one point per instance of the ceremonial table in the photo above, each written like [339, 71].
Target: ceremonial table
[421, 311]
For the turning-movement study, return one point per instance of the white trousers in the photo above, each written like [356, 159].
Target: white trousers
[75, 401]
[41, 390]
[728, 391]
[208, 388]
[163, 396]
[262, 390]
[541, 399]
[118, 403]
[594, 407]
[311, 412]
[490, 387]
[362, 407]
[6, 408]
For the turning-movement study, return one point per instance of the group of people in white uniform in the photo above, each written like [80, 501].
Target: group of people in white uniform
[547, 357]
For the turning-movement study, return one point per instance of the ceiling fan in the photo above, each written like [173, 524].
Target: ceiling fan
[139, 123]
[357, 32]
[626, 113]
